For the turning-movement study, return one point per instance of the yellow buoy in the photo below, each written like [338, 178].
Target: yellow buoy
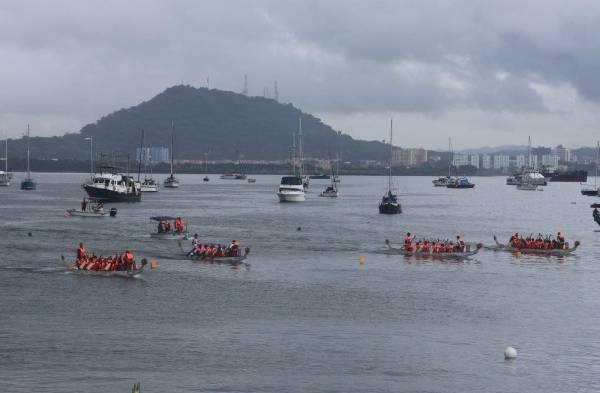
[153, 264]
[518, 254]
[361, 259]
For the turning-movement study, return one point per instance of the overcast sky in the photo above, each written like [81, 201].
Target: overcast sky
[483, 72]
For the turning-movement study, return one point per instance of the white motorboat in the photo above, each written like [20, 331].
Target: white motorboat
[530, 178]
[441, 181]
[171, 181]
[91, 208]
[331, 191]
[291, 189]
[108, 185]
[149, 185]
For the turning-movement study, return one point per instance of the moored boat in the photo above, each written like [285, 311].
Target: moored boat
[91, 208]
[460, 182]
[109, 185]
[429, 254]
[5, 175]
[28, 183]
[552, 251]
[389, 202]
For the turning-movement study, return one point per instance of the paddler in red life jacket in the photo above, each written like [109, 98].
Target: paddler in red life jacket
[81, 251]
[178, 225]
[128, 259]
[234, 248]
[560, 238]
[408, 240]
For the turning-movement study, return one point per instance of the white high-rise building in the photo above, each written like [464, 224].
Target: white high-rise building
[460, 160]
[501, 161]
[486, 161]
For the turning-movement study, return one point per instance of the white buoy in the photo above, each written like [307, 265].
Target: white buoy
[510, 353]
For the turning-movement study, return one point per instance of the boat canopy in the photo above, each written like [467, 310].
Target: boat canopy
[163, 218]
[291, 180]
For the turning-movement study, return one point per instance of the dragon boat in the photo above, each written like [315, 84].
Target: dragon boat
[434, 255]
[560, 252]
[130, 273]
[232, 260]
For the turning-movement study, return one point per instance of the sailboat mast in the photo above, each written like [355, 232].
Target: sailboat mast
[28, 170]
[597, 154]
[172, 138]
[6, 157]
[300, 152]
[141, 152]
[450, 154]
[390, 163]
[294, 153]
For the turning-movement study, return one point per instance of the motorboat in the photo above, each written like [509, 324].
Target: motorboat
[28, 183]
[149, 185]
[291, 189]
[167, 228]
[233, 176]
[319, 176]
[109, 185]
[513, 180]
[91, 208]
[389, 202]
[206, 179]
[331, 191]
[460, 182]
[441, 181]
[251, 180]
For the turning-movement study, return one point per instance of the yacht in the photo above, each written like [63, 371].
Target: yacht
[4, 175]
[389, 202]
[171, 181]
[149, 185]
[291, 188]
[28, 183]
[441, 181]
[331, 191]
[530, 179]
[460, 182]
[108, 185]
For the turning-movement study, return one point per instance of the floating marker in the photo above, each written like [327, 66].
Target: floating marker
[510, 353]
[153, 265]
[361, 259]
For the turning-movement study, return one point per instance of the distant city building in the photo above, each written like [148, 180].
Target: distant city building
[486, 161]
[520, 161]
[410, 157]
[154, 154]
[501, 161]
[550, 160]
[460, 160]
[563, 153]
[474, 160]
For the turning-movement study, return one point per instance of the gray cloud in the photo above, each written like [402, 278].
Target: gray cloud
[66, 63]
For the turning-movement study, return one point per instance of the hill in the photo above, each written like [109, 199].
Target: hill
[205, 120]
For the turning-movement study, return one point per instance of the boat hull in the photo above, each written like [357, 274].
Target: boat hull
[79, 213]
[28, 185]
[291, 197]
[390, 208]
[169, 236]
[456, 186]
[432, 255]
[132, 273]
[534, 251]
[104, 195]
[589, 192]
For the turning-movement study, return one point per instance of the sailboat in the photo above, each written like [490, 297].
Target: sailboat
[171, 181]
[443, 181]
[28, 183]
[148, 185]
[206, 178]
[589, 190]
[528, 177]
[4, 175]
[291, 188]
[331, 191]
[389, 202]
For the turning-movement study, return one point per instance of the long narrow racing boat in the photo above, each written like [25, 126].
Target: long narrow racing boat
[434, 255]
[131, 273]
[232, 260]
[559, 252]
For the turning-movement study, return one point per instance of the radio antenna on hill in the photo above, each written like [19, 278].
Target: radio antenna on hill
[245, 91]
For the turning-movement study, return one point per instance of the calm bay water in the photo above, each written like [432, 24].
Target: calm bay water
[305, 316]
